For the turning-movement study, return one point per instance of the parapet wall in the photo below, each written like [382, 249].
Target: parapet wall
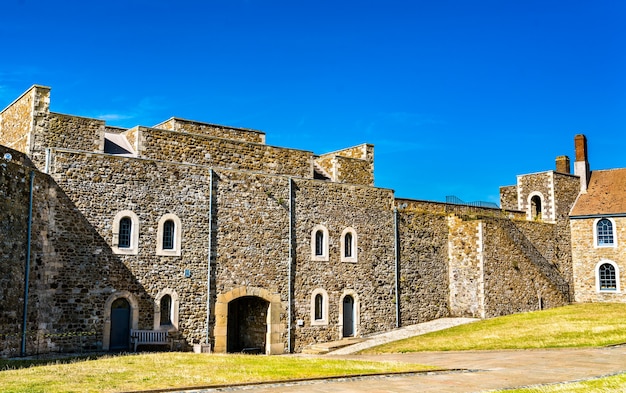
[172, 146]
[18, 120]
[214, 130]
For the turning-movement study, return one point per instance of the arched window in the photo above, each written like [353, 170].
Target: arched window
[348, 245]
[319, 243]
[347, 252]
[166, 310]
[604, 233]
[169, 235]
[319, 307]
[607, 276]
[124, 236]
[125, 233]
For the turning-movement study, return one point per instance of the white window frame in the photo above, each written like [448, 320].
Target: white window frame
[324, 256]
[529, 213]
[324, 320]
[617, 277]
[342, 245]
[595, 233]
[176, 251]
[173, 311]
[134, 233]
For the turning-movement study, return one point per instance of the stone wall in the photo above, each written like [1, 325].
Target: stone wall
[203, 150]
[354, 171]
[14, 196]
[214, 130]
[541, 184]
[465, 253]
[371, 279]
[586, 256]
[508, 198]
[424, 279]
[18, 120]
[520, 270]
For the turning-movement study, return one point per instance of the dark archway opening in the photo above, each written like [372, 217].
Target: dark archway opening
[535, 203]
[247, 325]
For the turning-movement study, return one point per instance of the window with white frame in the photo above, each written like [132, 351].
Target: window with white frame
[319, 243]
[166, 310]
[348, 245]
[607, 276]
[125, 237]
[169, 235]
[604, 229]
[319, 307]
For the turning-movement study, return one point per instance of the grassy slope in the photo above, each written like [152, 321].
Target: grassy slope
[580, 325]
[172, 369]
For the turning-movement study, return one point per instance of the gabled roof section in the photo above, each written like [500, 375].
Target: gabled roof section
[606, 194]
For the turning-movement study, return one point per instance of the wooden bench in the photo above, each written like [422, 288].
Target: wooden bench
[149, 337]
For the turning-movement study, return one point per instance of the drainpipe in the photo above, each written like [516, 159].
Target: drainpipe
[290, 278]
[27, 267]
[396, 245]
[208, 273]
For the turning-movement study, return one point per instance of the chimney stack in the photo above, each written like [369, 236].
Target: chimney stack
[581, 165]
[562, 164]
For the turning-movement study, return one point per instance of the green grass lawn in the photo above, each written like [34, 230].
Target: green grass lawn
[584, 325]
[580, 325]
[178, 370]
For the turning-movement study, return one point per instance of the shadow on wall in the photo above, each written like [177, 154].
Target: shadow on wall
[72, 273]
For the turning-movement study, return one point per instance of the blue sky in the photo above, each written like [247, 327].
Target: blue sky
[458, 97]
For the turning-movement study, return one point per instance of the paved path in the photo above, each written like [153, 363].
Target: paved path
[485, 370]
[404, 332]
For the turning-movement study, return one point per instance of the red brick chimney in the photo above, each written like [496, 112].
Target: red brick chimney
[581, 165]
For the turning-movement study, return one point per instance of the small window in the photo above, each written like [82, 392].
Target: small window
[604, 233]
[319, 243]
[168, 235]
[319, 307]
[348, 245]
[126, 227]
[608, 280]
[166, 310]
[125, 233]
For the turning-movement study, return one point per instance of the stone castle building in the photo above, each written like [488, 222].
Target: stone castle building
[207, 232]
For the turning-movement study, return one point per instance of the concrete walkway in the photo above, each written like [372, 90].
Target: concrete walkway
[402, 333]
[481, 371]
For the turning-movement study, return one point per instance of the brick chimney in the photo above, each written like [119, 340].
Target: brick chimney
[581, 165]
[562, 164]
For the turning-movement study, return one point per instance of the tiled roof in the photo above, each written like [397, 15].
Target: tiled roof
[606, 194]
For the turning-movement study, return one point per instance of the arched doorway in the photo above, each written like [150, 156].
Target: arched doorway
[348, 316]
[247, 324]
[120, 325]
[226, 303]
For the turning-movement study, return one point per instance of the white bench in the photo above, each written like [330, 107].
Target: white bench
[149, 337]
